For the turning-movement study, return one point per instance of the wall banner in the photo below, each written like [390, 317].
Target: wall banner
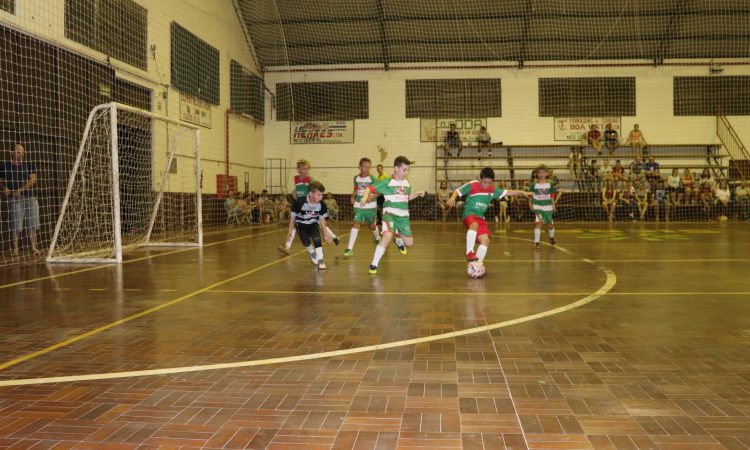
[322, 132]
[433, 130]
[573, 128]
[194, 110]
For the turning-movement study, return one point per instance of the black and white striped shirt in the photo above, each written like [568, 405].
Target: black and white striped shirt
[305, 213]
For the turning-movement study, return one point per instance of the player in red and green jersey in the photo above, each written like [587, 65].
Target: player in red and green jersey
[397, 192]
[543, 205]
[479, 194]
[301, 188]
[366, 214]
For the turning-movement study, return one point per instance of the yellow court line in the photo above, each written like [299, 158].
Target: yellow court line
[138, 315]
[401, 293]
[608, 285]
[457, 294]
[89, 269]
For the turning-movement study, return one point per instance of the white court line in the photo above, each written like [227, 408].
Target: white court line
[611, 280]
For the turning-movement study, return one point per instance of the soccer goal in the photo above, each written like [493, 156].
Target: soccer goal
[136, 181]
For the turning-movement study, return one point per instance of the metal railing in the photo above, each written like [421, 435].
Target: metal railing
[734, 146]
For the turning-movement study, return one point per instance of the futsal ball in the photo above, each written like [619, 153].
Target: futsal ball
[475, 269]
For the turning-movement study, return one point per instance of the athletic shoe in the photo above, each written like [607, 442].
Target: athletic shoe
[551, 241]
[348, 252]
[283, 249]
[471, 256]
[313, 258]
[336, 240]
[536, 245]
[373, 270]
[321, 265]
[402, 249]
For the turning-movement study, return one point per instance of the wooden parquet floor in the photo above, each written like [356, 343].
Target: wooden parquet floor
[655, 354]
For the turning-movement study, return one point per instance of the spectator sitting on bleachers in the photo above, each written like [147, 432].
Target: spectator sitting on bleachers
[609, 199]
[674, 187]
[636, 140]
[722, 195]
[611, 138]
[283, 208]
[332, 205]
[452, 141]
[575, 163]
[595, 138]
[267, 207]
[618, 174]
[706, 192]
[605, 171]
[742, 197]
[627, 198]
[641, 200]
[635, 169]
[651, 167]
[660, 199]
[441, 197]
[483, 141]
[593, 181]
[688, 184]
[504, 216]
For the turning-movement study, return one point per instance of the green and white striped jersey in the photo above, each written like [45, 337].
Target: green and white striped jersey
[542, 199]
[396, 195]
[361, 184]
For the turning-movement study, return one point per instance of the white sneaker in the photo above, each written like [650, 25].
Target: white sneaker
[313, 258]
[321, 265]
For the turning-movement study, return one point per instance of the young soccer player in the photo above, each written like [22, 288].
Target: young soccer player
[308, 218]
[362, 214]
[542, 205]
[479, 194]
[301, 188]
[397, 193]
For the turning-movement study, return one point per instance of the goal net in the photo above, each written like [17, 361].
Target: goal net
[135, 182]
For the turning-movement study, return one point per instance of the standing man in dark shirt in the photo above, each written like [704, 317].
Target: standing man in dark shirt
[309, 217]
[17, 179]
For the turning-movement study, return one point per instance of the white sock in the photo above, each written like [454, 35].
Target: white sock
[551, 233]
[330, 232]
[311, 250]
[352, 237]
[399, 242]
[481, 252]
[319, 253]
[537, 234]
[379, 252]
[471, 239]
[377, 234]
[289, 241]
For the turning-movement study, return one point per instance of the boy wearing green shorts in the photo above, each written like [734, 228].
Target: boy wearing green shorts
[543, 205]
[396, 191]
[366, 214]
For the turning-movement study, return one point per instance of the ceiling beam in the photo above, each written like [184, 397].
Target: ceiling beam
[668, 34]
[577, 15]
[383, 37]
[525, 34]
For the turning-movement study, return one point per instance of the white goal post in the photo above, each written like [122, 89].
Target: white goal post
[135, 181]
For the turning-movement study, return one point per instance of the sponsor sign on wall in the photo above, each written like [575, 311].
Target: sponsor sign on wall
[323, 132]
[573, 128]
[433, 130]
[194, 110]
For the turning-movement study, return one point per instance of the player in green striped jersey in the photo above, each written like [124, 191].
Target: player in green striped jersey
[366, 214]
[397, 193]
[542, 203]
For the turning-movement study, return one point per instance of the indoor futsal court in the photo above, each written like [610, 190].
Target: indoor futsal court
[370, 224]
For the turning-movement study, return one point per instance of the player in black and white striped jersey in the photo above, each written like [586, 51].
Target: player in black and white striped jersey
[309, 217]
